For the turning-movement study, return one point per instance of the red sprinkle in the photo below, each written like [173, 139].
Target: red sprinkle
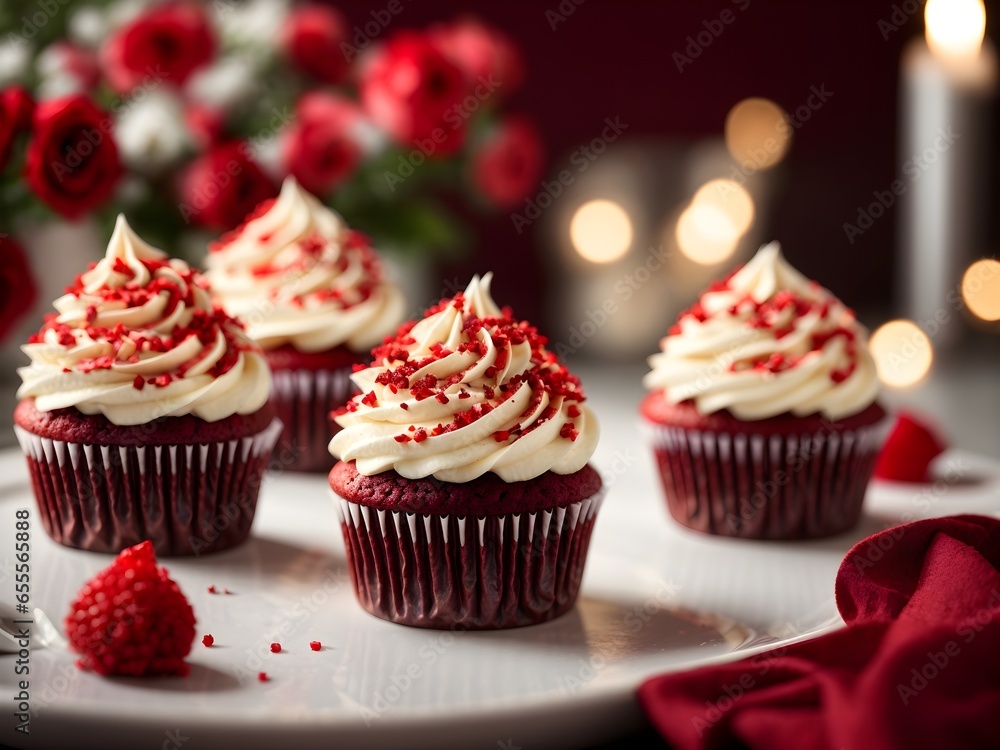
[404, 406]
[262, 677]
[208, 640]
[211, 589]
[275, 648]
[139, 383]
[404, 438]
[315, 645]
[370, 399]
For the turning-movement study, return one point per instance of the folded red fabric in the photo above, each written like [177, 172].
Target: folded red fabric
[918, 664]
[909, 449]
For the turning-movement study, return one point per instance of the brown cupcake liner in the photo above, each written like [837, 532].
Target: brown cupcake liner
[467, 573]
[303, 400]
[186, 499]
[767, 486]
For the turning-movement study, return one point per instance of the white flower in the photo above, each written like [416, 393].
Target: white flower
[123, 11]
[150, 131]
[15, 55]
[88, 26]
[60, 83]
[225, 84]
[254, 24]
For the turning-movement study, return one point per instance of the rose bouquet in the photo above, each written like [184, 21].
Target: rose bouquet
[185, 115]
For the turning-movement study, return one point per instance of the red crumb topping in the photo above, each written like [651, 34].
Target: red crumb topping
[208, 640]
[777, 317]
[315, 645]
[205, 325]
[275, 648]
[545, 376]
[262, 677]
[211, 589]
[132, 619]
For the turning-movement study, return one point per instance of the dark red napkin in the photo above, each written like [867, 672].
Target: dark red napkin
[917, 667]
[909, 448]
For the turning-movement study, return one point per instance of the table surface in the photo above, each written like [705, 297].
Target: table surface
[961, 395]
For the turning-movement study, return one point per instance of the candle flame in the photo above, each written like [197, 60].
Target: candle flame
[955, 28]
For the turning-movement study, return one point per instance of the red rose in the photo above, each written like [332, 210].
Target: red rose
[508, 164]
[312, 37]
[219, 188]
[15, 116]
[319, 150]
[410, 89]
[72, 161]
[17, 286]
[168, 42]
[483, 53]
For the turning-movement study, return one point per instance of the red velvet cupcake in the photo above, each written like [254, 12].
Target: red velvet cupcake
[763, 408]
[465, 494]
[311, 293]
[144, 410]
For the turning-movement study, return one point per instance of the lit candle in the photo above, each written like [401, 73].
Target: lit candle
[947, 81]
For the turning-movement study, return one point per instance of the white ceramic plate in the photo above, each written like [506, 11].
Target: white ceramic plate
[656, 598]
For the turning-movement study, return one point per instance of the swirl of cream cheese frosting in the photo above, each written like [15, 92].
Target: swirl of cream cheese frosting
[136, 338]
[764, 342]
[465, 391]
[295, 274]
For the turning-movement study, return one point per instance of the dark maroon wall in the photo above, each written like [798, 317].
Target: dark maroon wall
[615, 58]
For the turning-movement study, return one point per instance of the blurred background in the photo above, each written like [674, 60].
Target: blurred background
[607, 160]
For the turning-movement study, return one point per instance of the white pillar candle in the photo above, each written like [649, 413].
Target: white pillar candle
[947, 80]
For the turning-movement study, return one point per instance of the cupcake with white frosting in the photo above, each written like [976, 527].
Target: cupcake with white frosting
[312, 294]
[465, 492]
[144, 412]
[764, 407]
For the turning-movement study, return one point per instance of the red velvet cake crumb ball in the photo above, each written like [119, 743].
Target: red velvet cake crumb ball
[208, 640]
[132, 619]
[275, 648]
[315, 645]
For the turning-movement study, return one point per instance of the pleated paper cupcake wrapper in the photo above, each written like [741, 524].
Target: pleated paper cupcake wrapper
[468, 573]
[767, 487]
[186, 499]
[303, 400]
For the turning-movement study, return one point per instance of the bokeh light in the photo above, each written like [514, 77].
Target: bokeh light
[757, 133]
[729, 197]
[955, 28]
[706, 234]
[981, 289]
[903, 353]
[601, 231]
